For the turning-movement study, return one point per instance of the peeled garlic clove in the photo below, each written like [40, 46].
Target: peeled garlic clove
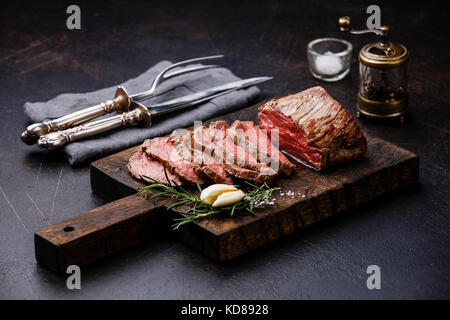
[228, 198]
[210, 194]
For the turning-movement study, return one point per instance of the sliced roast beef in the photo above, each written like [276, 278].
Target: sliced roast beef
[250, 137]
[313, 127]
[204, 164]
[203, 137]
[238, 155]
[235, 160]
[162, 149]
[141, 166]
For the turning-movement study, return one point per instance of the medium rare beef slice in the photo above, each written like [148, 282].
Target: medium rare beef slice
[203, 138]
[234, 156]
[204, 164]
[162, 149]
[314, 128]
[213, 170]
[250, 137]
[141, 166]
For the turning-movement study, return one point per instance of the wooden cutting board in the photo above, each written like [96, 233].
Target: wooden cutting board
[304, 199]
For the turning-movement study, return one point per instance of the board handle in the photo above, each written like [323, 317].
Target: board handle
[99, 232]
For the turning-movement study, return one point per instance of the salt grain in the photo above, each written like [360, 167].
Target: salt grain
[328, 64]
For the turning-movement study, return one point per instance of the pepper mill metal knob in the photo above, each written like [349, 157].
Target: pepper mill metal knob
[344, 23]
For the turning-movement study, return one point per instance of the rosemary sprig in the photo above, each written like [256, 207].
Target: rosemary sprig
[257, 197]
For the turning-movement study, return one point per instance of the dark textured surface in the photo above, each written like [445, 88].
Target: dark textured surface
[406, 235]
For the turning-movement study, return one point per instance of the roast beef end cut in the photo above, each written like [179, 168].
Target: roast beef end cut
[314, 128]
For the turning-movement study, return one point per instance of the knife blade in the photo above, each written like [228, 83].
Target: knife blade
[203, 96]
[140, 114]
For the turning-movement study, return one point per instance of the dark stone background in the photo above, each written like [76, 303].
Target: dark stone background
[407, 235]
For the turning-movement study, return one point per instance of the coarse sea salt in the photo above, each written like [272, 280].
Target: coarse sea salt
[328, 64]
[288, 193]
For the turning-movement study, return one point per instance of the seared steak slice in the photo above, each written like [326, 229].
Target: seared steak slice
[244, 173]
[213, 170]
[236, 160]
[204, 164]
[236, 154]
[141, 165]
[162, 149]
[314, 128]
[203, 137]
[250, 137]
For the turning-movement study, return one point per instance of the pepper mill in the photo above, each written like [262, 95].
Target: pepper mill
[382, 76]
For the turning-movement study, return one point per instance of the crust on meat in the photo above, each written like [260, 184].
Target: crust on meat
[325, 123]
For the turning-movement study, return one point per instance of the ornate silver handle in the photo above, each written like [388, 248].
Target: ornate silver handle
[120, 103]
[53, 140]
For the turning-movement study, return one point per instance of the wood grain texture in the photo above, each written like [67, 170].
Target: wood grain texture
[305, 198]
[384, 169]
[97, 233]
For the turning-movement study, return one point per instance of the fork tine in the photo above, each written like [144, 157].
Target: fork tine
[179, 64]
[162, 75]
[185, 62]
[187, 70]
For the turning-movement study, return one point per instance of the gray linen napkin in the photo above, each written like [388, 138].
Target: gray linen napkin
[113, 141]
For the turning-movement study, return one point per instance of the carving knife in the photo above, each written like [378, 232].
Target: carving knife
[141, 114]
